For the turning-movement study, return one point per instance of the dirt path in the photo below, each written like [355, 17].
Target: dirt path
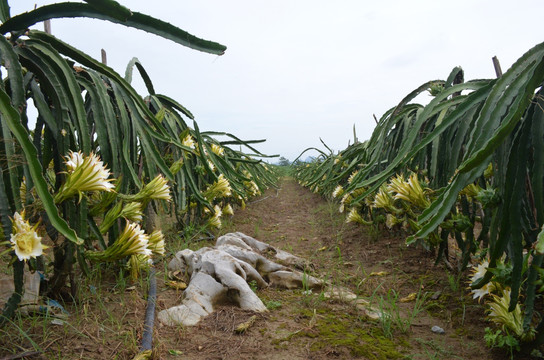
[307, 326]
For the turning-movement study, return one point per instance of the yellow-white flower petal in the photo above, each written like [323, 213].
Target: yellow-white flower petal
[156, 243]
[188, 141]
[156, 189]
[217, 149]
[227, 210]
[24, 239]
[338, 191]
[85, 173]
[352, 176]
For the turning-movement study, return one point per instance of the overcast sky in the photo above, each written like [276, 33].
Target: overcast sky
[299, 70]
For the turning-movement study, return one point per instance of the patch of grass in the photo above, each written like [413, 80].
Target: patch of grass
[257, 228]
[227, 225]
[339, 254]
[374, 232]
[253, 285]
[391, 316]
[305, 287]
[333, 330]
[433, 350]
[287, 247]
[101, 316]
[15, 338]
[454, 282]
[437, 308]
[272, 305]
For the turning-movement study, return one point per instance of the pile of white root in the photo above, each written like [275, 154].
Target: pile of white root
[221, 274]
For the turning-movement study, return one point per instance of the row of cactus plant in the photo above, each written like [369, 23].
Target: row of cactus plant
[99, 156]
[467, 166]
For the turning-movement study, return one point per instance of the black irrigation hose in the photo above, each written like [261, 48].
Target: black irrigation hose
[147, 337]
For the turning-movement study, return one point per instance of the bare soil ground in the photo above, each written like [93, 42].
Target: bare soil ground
[107, 321]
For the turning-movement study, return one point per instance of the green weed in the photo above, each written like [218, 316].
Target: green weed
[500, 339]
[390, 313]
[272, 305]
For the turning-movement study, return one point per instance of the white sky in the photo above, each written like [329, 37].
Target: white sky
[298, 70]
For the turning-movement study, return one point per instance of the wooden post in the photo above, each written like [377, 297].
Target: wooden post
[104, 57]
[497, 66]
[459, 79]
[47, 26]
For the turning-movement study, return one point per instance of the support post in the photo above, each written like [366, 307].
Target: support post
[47, 26]
[104, 57]
[497, 65]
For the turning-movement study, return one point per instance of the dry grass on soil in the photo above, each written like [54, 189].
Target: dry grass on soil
[107, 321]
